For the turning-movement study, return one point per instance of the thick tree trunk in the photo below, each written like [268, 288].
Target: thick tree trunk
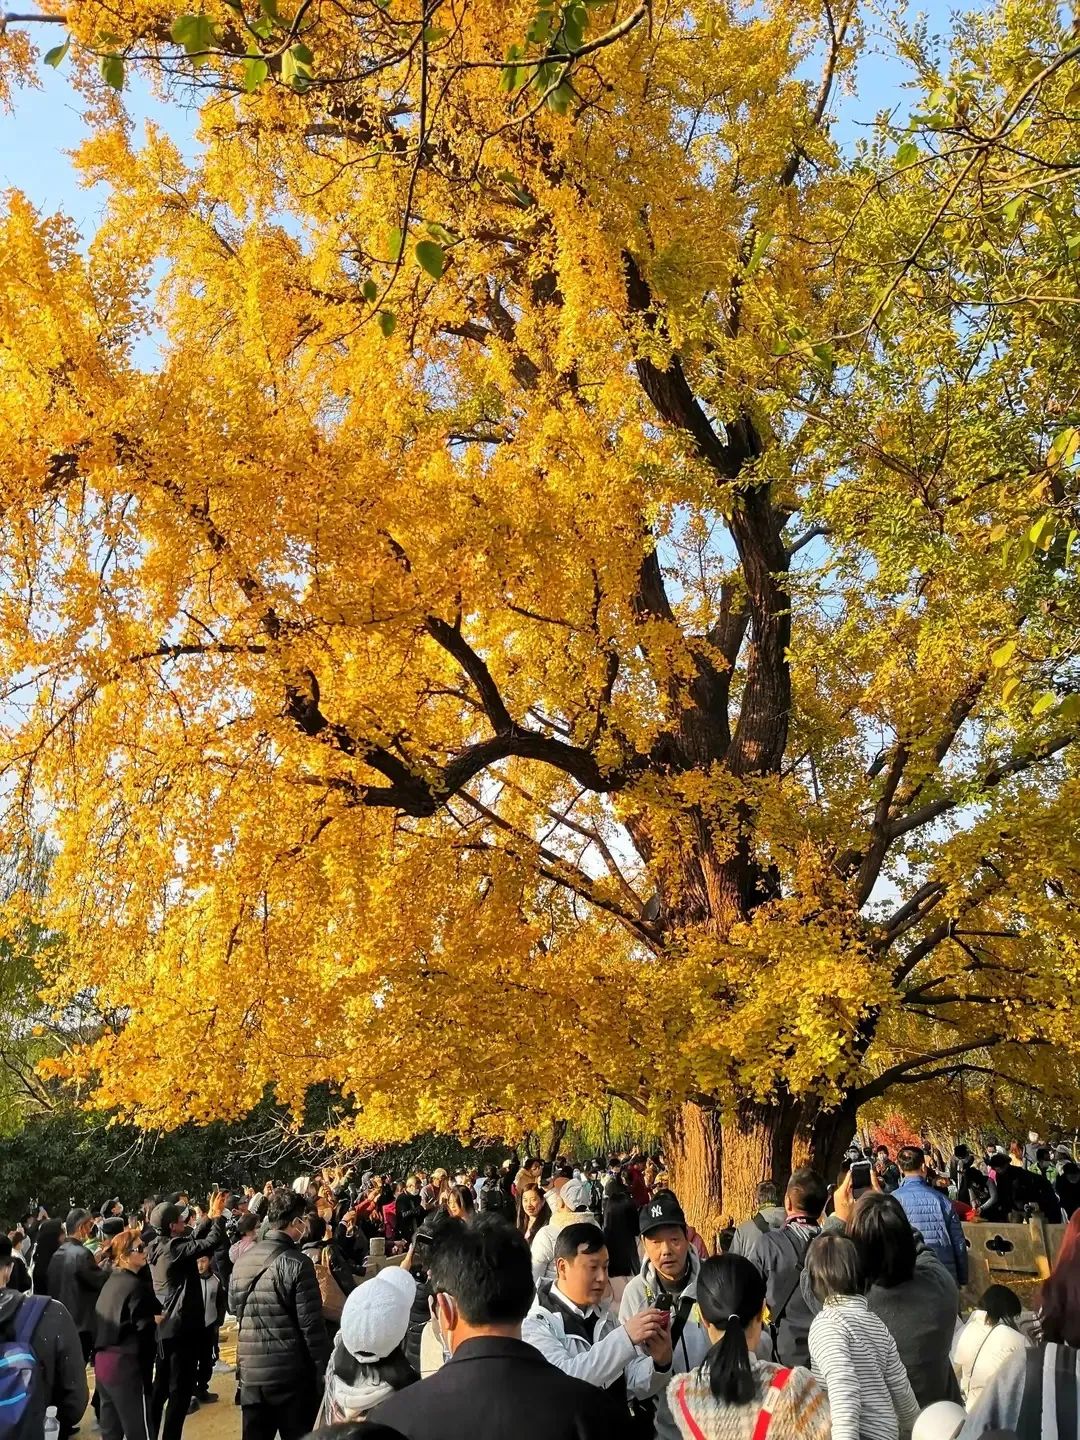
[829, 1133]
[800, 1146]
[757, 1140]
[692, 1153]
[558, 1134]
[716, 1162]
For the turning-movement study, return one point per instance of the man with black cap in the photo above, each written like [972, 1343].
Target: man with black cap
[668, 1277]
[173, 1254]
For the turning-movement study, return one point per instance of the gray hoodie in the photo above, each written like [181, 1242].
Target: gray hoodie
[750, 1232]
[60, 1378]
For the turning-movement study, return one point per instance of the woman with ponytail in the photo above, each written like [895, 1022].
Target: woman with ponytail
[733, 1395]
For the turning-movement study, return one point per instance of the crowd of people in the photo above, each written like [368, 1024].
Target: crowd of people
[573, 1296]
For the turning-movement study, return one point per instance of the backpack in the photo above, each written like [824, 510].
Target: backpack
[18, 1364]
[776, 1318]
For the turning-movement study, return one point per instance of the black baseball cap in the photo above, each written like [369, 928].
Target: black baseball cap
[162, 1216]
[664, 1210]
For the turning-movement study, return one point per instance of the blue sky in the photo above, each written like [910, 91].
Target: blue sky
[46, 124]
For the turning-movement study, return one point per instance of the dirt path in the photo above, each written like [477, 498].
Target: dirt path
[220, 1421]
[216, 1422]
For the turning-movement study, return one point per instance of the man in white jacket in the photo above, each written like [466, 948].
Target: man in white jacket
[576, 1331]
[669, 1276]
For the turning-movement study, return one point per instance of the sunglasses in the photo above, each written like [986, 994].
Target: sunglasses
[138, 1249]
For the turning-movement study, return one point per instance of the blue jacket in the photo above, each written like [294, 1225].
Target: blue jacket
[932, 1215]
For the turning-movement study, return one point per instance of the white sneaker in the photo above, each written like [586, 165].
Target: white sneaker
[222, 1368]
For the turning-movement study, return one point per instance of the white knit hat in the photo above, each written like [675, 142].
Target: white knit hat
[375, 1316]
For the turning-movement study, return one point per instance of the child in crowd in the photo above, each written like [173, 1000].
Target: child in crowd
[851, 1351]
[211, 1287]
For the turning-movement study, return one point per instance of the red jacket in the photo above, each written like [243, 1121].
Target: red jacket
[389, 1215]
[638, 1189]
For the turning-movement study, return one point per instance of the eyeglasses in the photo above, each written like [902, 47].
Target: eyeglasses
[138, 1249]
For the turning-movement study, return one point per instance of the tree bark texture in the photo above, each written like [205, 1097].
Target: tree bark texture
[558, 1134]
[692, 1151]
[757, 1139]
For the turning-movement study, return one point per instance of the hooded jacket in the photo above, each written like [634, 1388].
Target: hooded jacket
[352, 1401]
[693, 1343]
[60, 1377]
[543, 1245]
[603, 1361]
[750, 1231]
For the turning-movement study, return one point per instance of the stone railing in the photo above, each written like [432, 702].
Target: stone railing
[1015, 1254]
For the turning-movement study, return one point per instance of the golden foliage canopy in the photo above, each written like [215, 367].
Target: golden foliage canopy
[585, 599]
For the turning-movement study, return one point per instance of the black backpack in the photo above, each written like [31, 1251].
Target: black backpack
[776, 1316]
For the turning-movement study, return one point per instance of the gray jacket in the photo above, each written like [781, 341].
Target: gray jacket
[60, 1378]
[750, 1232]
[693, 1343]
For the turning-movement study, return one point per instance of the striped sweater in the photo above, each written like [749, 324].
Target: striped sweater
[855, 1357]
[688, 1409]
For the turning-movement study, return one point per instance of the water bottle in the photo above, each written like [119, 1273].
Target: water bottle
[52, 1424]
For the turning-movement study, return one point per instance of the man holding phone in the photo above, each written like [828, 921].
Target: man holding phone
[173, 1256]
[668, 1280]
[574, 1328]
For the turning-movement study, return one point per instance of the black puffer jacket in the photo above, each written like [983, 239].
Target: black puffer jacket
[283, 1345]
[419, 1315]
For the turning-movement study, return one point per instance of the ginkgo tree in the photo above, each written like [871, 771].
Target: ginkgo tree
[585, 602]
